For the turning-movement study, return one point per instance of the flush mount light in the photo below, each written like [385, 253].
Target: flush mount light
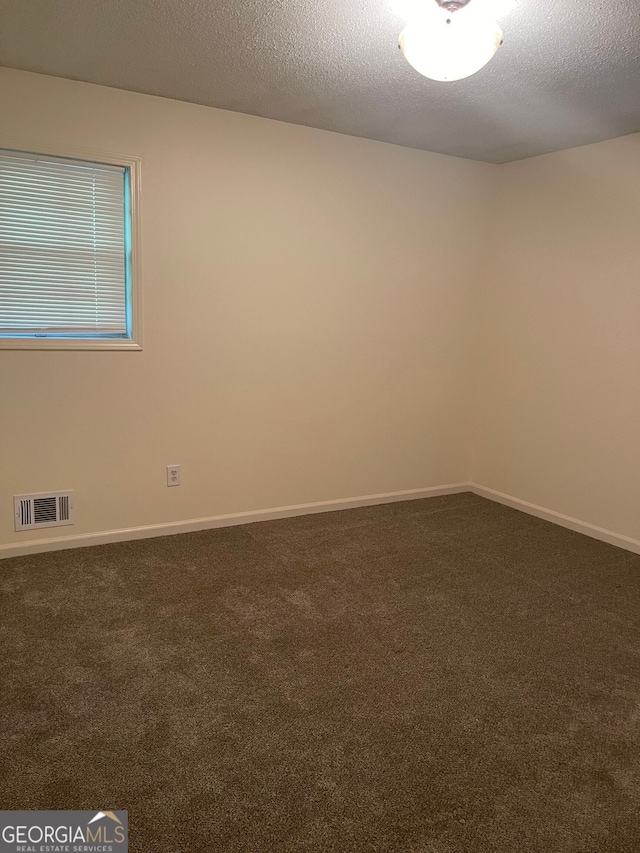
[448, 40]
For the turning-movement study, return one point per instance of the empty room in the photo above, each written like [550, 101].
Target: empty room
[319, 426]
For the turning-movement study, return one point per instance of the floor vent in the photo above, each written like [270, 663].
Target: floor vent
[49, 509]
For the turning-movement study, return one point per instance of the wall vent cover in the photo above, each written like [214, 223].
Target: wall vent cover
[48, 509]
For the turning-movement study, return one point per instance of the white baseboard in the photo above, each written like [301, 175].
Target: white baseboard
[574, 524]
[36, 546]
[104, 537]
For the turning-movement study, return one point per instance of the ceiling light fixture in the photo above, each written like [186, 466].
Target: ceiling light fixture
[448, 40]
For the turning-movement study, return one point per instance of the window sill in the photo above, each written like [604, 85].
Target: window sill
[67, 344]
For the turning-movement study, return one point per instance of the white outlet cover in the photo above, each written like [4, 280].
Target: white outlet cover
[173, 475]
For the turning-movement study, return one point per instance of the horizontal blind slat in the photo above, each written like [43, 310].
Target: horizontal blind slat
[63, 263]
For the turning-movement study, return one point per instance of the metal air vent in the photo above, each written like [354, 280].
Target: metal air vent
[48, 509]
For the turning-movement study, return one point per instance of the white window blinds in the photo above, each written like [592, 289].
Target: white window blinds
[64, 248]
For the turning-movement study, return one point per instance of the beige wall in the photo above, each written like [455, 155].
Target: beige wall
[558, 415]
[308, 307]
[319, 324]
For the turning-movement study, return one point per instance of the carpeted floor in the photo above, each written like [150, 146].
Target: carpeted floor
[437, 676]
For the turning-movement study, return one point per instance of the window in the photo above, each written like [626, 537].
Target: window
[68, 277]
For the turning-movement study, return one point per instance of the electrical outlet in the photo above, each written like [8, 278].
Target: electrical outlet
[173, 475]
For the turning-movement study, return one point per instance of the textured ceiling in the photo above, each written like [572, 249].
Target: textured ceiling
[568, 74]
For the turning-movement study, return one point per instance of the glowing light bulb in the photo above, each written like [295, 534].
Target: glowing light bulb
[448, 46]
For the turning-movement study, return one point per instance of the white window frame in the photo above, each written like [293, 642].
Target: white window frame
[133, 166]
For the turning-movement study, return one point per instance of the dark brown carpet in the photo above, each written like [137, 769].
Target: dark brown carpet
[437, 676]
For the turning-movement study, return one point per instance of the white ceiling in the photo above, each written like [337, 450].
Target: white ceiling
[568, 74]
